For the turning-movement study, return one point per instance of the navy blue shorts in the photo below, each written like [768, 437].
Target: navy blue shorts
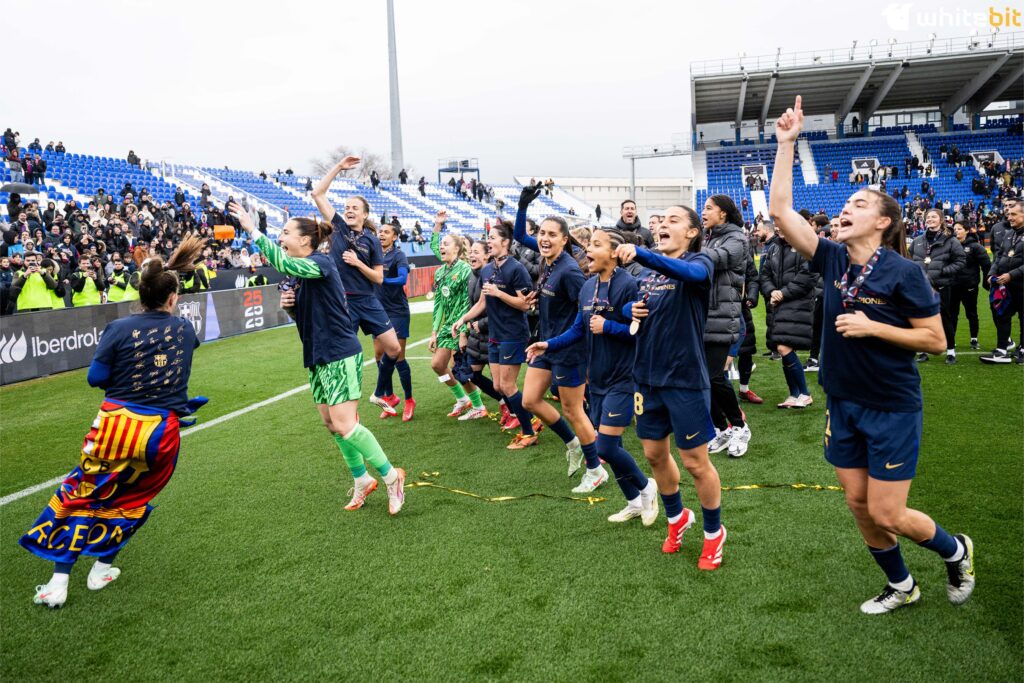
[401, 325]
[562, 375]
[368, 314]
[614, 409]
[884, 442]
[661, 411]
[506, 353]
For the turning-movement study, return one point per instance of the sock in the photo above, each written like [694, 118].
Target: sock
[353, 458]
[590, 455]
[563, 430]
[891, 562]
[384, 373]
[390, 477]
[515, 404]
[61, 575]
[474, 398]
[458, 392]
[484, 384]
[389, 384]
[792, 369]
[945, 545]
[107, 559]
[364, 442]
[405, 376]
[712, 521]
[673, 503]
[637, 475]
[607, 449]
[744, 388]
[951, 352]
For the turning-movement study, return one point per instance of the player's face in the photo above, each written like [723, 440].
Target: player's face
[497, 245]
[961, 233]
[386, 235]
[355, 213]
[675, 232]
[550, 239]
[712, 215]
[599, 252]
[449, 249]
[860, 218]
[477, 255]
[629, 212]
[291, 241]
[932, 220]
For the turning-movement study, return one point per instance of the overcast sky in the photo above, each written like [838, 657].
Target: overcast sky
[548, 87]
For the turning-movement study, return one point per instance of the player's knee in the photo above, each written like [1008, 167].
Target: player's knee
[887, 518]
[438, 367]
[532, 402]
[858, 506]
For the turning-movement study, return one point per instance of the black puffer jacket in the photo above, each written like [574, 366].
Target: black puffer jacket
[477, 343]
[529, 258]
[1013, 240]
[646, 238]
[727, 247]
[977, 265]
[751, 291]
[791, 322]
[945, 260]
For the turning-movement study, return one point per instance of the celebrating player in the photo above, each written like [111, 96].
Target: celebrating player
[330, 349]
[142, 363]
[610, 351]
[556, 297]
[878, 311]
[396, 304]
[673, 390]
[358, 255]
[506, 285]
[451, 301]
[474, 340]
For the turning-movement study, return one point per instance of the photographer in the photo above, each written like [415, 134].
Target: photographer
[119, 282]
[32, 286]
[88, 283]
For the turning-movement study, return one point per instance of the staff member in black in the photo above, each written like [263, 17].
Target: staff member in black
[942, 257]
[1007, 278]
[965, 284]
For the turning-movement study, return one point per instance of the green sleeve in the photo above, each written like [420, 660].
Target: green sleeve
[435, 244]
[461, 297]
[299, 267]
[438, 314]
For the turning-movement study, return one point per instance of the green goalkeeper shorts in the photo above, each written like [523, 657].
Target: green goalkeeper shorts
[338, 381]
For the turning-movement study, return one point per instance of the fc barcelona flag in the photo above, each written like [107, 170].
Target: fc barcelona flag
[127, 458]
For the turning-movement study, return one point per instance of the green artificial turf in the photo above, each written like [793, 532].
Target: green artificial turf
[249, 569]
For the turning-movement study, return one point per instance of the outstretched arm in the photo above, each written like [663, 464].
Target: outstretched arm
[299, 267]
[675, 268]
[793, 227]
[529, 193]
[320, 190]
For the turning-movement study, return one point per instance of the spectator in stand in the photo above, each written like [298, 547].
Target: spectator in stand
[9, 142]
[261, 217]
[965, 284]
[942, 257]
[49, 146]
[263, 175]
[403, 177]
[374, 179]
[629, 223]
[39, 169]
[132, 158]
[179, 196]
[309, 184]
[204, 196]
[6, 280]
[59, 149]
[14, 162]
[422, 185]
[417, 233]
[1006, 278]
[597, 213]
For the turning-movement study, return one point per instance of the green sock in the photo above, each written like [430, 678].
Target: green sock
[353, 458]
[458, 391]
[364, 442]
[474, 397]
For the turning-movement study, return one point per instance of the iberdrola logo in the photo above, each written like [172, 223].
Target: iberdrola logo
[14, 349]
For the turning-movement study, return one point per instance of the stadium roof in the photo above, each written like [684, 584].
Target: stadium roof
[948, 74]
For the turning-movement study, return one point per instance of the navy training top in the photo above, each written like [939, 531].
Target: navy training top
[367, 247]
[609, 355]
[321, 316]
[505, 323]
[392, 292]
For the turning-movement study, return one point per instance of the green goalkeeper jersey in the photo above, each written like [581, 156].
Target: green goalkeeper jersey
[451, 289]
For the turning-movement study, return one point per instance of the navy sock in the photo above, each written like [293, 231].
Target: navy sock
[590, 455]
[608, 450]
[405, 377]
[563, 430]
[109, 557]
[712, 519]
[515, 404]
[789, 371]
[385, 371]
[941, 543]
[62, 567]
[636, 474]
[486, 385]
[891, 562]
[673, 503]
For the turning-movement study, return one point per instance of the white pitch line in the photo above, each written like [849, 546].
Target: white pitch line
[17, 495]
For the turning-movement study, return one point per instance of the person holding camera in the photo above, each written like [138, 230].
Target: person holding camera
[88, 283]
[34, 288]
[120, 283]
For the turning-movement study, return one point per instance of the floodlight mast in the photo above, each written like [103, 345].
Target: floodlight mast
[397, 162]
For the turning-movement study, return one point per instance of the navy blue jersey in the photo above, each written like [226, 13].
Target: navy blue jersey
[609, 355]
[366, 245]
[321, 315]
[670, 342]
[869, 371]
[392, 295]
[557, 304]
[150, 359]
[504, 323]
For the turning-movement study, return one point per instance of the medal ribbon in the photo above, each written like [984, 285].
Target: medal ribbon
[849, 292]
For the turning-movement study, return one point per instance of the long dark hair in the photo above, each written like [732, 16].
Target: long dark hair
[316, 230]
[563, 227]
[728, 206]
[697, 243]
[895, 236]
[159, 280]
[504, 229]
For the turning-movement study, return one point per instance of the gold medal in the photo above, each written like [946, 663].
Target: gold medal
[1010, 253]
[927, 259]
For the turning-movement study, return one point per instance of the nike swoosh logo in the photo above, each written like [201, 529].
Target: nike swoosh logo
[559, 376]
[690, 436]
[507, 357]
[614, 414]
[889, 466]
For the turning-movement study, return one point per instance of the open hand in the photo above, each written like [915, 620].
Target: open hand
[348, 163]
[242, 216]
[535, 351]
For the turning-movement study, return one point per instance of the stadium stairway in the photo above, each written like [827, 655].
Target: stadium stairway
[220, 190]
[700, 169]
[916, 149]
[759, 202]
[808, 168]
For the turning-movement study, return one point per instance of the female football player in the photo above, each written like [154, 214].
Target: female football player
[396, 304]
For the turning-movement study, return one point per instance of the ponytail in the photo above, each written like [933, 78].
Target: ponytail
[159, 280]
[316, 230]
[895, 236]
